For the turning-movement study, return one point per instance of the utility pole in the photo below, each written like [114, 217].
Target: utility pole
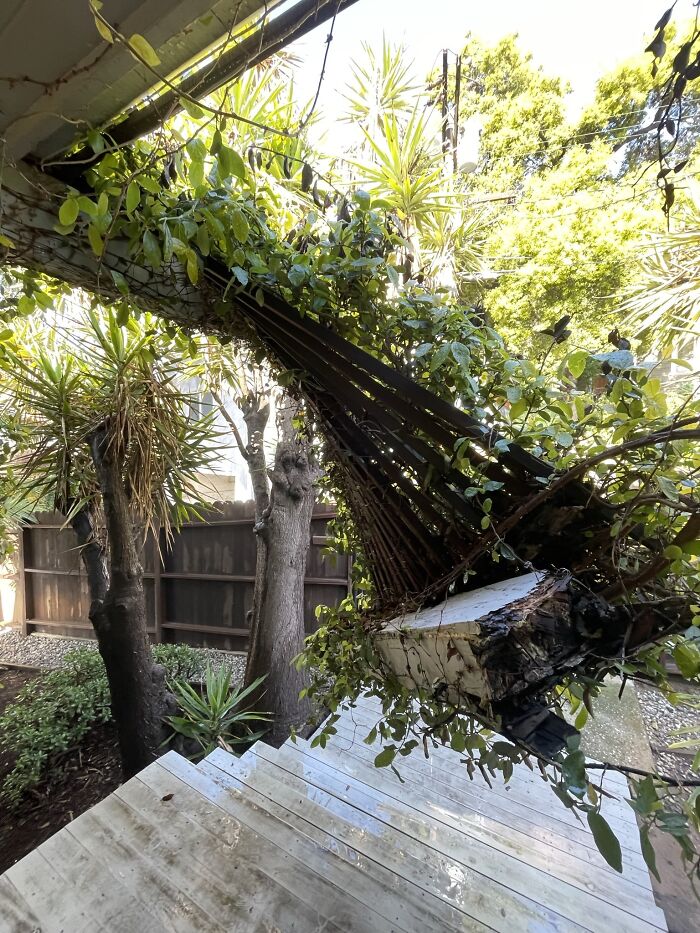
[455, 122]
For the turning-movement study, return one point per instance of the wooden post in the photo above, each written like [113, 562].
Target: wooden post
[158, 595]
[20, 611]
[445, 133]
[455, 128]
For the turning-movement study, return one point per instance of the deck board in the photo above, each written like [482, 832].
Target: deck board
[304, 840]
[566, 897]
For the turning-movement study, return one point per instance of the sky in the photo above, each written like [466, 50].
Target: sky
[578, 40]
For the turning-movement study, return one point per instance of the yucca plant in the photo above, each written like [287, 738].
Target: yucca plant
[215, 717]
[108, 439]
[381, 85]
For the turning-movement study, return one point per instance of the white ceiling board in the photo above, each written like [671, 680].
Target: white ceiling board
[83, 81]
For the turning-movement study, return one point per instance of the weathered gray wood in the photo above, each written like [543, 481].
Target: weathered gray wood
[515, 873]
[37, 881]
[362, 877]
[523, 781]
[200, 593]
[457, 786]
[470, 890]
[103, 896]
[16, 916]
[428, 819]
[486, 645]
[294, 889]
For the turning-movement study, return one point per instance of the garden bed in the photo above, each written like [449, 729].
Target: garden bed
[78, 779]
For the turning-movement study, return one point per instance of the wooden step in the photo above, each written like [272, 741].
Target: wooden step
[467, 888]
[586, 893]
[357, 834]
[538, 806]
[367, 880]
[440, 824]
[237, 844]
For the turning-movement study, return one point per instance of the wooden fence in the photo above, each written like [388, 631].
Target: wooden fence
[198, 593]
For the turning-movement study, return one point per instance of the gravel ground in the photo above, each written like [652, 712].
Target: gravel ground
[660, 719]
[48, 651]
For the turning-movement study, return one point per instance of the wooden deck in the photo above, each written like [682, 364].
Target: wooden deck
[302, 839]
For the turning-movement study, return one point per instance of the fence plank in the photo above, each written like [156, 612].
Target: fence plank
[198, 592]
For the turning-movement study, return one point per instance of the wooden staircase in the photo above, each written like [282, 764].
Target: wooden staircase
[302, 839]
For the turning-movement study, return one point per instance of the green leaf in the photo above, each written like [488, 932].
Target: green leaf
[240, 275]
[151, 249]
[687, 657]
[133, 197]
[239, 225]
[120, 282]
[6, 241]
[68, 212]
[577, 362]
[144, 49]
[96, 141]
[95, 240]
[385, 757]
[518, 409]
[648, 852]
[192, 108]
[104, 31]
[192, 266]
[461, 354]
[564, 439]
[606, 840]
[230, 163]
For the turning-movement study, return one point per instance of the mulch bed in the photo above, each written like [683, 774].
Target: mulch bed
[78, 780]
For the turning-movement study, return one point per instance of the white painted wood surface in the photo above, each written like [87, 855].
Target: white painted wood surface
[302, 839]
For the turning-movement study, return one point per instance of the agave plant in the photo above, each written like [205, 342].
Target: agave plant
[215, 717]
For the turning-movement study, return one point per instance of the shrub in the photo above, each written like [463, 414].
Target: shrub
[54, 712]
[214, 717]
[50, 715]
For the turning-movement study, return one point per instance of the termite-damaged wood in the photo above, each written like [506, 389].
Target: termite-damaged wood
[496, 650]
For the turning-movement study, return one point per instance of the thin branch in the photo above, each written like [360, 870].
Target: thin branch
[231, 423]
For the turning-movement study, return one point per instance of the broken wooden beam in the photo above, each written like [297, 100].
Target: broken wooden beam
[495, 651]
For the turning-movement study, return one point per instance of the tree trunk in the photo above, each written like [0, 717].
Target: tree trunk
[277, 628]
[118, 615]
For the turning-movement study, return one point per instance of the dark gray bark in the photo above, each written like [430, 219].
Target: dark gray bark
[118, 615]
[277, 625]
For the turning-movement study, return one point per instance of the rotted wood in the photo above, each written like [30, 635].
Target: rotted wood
[496, 650]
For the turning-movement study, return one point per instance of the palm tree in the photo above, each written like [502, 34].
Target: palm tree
[663, 307]
[108, 440]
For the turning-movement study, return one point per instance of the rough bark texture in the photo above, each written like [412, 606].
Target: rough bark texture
[118, 615]
[277, 627]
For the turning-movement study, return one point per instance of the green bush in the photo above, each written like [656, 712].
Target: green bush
[50, 715]
[180, 661]
[54, 712]
[215, 717]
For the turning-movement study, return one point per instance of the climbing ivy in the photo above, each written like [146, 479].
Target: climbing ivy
[272, 219]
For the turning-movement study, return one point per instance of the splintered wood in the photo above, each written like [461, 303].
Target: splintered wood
[487, 645]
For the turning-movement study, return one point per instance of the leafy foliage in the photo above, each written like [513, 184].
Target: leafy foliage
[273, 219]
[53, 713]
[104, 371]
[215, 718]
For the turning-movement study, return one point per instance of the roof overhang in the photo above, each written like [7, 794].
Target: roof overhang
[59, 77]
